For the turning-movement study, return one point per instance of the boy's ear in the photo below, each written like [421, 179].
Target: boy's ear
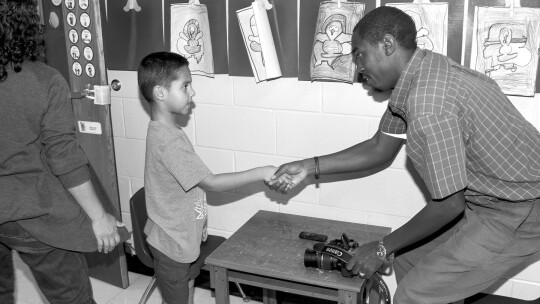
[159, 92]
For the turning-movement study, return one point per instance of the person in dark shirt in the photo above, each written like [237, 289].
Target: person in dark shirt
[50, 212]
[477, 155]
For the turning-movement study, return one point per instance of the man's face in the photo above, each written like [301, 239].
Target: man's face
[375, 65]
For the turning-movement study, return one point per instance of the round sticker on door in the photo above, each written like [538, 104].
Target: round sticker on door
[90, 70]
[71, 19]
[85, 19]
[70, 4]
[56, 2]
[88, 53]
[83, 4]
[73, 36]
[86, 36]
[75, 53]
[77, 68]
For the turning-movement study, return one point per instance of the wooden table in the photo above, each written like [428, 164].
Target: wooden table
[267, 252]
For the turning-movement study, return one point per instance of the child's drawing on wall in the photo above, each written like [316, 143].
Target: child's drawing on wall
[190, 37]
[191, 41]
[259, 41]
[254, 39]
[505, 47]
[331, 56]
[431, 20]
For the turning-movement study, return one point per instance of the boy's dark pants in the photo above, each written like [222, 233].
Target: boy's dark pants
[61, 275]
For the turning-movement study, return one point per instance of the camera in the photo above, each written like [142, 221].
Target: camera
[332, 256]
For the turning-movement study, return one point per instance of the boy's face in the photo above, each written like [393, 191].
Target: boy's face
[178, 97]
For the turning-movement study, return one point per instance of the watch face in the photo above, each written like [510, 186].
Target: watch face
[381, 251]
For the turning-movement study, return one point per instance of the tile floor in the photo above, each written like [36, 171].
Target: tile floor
[28, 293]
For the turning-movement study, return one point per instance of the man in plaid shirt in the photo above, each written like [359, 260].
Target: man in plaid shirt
[478, 156]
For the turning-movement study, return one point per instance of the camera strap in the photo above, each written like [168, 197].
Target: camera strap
[375, 283]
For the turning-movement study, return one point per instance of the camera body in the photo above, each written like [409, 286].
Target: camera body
[332, 256]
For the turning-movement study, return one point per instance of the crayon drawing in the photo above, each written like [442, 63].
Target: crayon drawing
[505, 47]
[259, 42]
[431, 20]
[331, 56]
[190, 37]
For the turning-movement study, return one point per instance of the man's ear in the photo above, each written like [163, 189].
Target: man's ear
[159, 92]
[389, 44]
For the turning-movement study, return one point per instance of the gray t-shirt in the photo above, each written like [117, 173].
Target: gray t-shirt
[177, 208]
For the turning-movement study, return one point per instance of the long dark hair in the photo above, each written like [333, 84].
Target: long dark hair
[21, 34]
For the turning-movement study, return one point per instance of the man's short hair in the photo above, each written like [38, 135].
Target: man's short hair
[387, 20]
[160, 68]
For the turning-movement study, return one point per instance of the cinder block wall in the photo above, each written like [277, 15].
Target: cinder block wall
[238, 124]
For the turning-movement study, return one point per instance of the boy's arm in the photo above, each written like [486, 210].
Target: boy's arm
[227, 181]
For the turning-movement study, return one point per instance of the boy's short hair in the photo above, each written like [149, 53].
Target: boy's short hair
[160, 68]
[387, 20]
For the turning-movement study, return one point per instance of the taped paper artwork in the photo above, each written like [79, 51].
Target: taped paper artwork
[331, 58]
[259, 42]
[190, 37]
[505, 47]
[431, 20]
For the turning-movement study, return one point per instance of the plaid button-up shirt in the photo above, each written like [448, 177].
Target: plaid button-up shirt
[463, 132]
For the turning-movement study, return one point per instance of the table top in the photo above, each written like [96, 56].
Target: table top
[268, 245]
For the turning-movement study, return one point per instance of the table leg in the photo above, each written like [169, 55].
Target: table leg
[221, 283]
[269, 296]
[347, 297]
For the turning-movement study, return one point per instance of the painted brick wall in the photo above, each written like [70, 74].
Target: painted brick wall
[238, 124]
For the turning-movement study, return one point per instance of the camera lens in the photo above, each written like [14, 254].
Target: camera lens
[310, 258]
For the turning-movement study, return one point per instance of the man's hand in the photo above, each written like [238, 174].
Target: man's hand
[287, 177]
[365, 261]
[106, 232]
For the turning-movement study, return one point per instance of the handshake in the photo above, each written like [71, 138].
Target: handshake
[286, 177]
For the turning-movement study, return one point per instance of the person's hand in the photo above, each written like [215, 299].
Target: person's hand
[287, 177]
[268, 172]
[365, 261]
[106, 232]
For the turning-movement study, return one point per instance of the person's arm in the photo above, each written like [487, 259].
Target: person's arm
[227, 181]
[368, 157]
[103, 223]
[429, 220]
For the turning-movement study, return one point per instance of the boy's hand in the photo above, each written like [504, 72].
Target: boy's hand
[284, 179]
[267, 172]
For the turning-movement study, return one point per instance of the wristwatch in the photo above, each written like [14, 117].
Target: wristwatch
[381, 252]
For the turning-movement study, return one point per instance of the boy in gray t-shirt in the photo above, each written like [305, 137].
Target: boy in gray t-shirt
[175, 177]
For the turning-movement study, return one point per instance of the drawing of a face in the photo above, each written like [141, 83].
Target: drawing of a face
[505, 36]
[334, 29]
[253, 25]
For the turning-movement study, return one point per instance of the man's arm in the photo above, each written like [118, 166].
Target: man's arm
[227, 181]
[435, 215]
[103, 223]
[368, 157]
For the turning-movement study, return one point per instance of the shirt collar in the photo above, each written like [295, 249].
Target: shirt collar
[401, 90]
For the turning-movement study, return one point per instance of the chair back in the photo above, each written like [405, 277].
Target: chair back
[137, 205]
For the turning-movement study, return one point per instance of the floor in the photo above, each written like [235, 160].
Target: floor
[28, 293]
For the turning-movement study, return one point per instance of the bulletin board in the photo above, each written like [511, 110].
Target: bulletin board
[470, 22]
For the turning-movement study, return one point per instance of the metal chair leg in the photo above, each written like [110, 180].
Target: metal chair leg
[151, 286]
[244, 297]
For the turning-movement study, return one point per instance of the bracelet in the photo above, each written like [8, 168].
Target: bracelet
[317, 170]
